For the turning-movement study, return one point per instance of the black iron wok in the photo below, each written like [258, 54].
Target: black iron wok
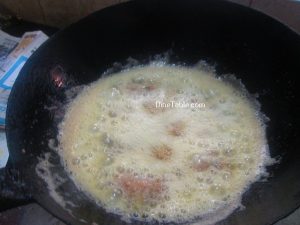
[260, 51]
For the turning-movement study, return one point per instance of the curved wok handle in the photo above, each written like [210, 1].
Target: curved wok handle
[12, 189]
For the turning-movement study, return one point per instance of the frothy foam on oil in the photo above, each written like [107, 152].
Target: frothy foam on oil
[163, 164]
[53, 180]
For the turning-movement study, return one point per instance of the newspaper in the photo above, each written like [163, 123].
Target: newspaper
[14, 52]
[3, 150]
[7, 44]
[14, 61]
